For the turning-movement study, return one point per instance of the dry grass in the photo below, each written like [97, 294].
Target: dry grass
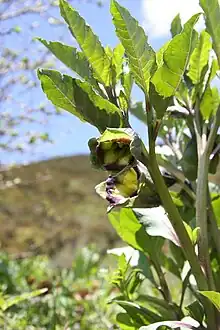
[52, 206]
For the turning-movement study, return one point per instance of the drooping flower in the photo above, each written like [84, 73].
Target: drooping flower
[128, 182]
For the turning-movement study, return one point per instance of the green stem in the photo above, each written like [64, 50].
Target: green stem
[176, 221]
[163, 284]
[201, 216]
[182, 234]
[214, 227]
[171, 209]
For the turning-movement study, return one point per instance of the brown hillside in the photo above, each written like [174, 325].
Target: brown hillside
[52, 207]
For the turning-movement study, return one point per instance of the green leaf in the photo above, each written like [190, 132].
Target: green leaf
[78, 98]
[168, 77]
[134, 281]
[117, 60]
[128, 228]
[72, 58]
[145, 266]
[216, 207]
[138, 313]
[125, 322]
[196, 311]
[127, 83]
[158, 304]
[159, 103]
[176, 26]
[137, 110]
[212, 18]
[59, 90]
[11, 301]
[88, 41]
[199, 57]
[189, 231]
[156, 223]
[213, 296]
[170, 265]
[207, 75]
[123, 101]
[177, 255]
[96, 110]
[112, 134]
[189, 161]
[132, 232]
[186, 323]
[210, 102]
[141, 56]
[160, 53]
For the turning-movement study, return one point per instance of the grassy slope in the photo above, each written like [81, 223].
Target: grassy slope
[52, 206]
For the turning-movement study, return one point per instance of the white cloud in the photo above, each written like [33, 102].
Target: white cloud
[158, 14]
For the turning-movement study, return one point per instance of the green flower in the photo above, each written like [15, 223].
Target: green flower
[119, 188]
[111, 152]
[128, 183]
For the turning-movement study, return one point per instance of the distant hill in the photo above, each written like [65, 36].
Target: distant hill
[51, 207]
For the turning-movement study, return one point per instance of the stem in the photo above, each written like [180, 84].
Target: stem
[163, 284]
[213, 132]
[171, 209]
[184, 287]
[213, 225]
[177, 222]
[183, 236]
[204, 148]
[201, 216]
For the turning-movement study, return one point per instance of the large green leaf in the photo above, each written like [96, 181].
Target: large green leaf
[213, 296]
[210, 102]
[139, 314]
[88, 41]
[212, 18]
[132, 232]
[160, 54]
[72, 58]
[141, 56]
[176, 26]
[175, 59]
[156, 223]
[159, 103]
[79, 98]
[127, 227]
[199, 57]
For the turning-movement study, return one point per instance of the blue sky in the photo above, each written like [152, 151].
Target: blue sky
[69, 134]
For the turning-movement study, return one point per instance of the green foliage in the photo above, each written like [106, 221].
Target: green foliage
[212, 16]
[176, 26]
[73, 297]
[157, 223]
[210, 102]
[88, 41]
[141, 56]
[200, 57]
[72, 58]
[213, 296]
[80, 99]
[167, 213]
[175, 59]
